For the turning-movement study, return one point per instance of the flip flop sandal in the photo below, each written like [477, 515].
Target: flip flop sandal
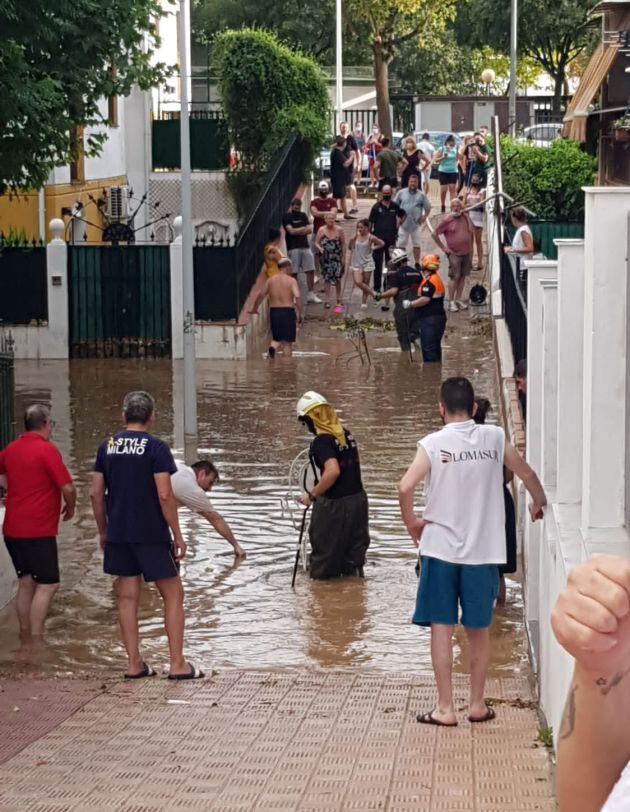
[429, 719]
[193, 673]
[487, 717]
[147, 671]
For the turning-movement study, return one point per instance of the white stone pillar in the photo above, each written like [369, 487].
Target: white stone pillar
[177, 292]
[536, 272]
[549, 385]
[605, 349]
[570, 373]
[58, 341]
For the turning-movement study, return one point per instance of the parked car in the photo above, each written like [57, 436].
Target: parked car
[322, 162]
[541, 135]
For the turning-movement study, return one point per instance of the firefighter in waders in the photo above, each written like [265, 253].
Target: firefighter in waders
[429, 310]
[402, 286]
[339, 532]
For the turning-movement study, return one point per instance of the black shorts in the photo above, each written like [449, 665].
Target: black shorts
[393, 182]
[155, 562]
[283, 324]
[448, 178]
[35, 557]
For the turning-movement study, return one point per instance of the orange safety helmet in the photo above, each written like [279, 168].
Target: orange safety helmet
[431, 262]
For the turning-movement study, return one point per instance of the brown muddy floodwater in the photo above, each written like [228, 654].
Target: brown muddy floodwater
[247, 616]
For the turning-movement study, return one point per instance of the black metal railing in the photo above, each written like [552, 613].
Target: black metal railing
[514, 293]
[23, 285]
[224, 273]
[513, 278]
[7, 390]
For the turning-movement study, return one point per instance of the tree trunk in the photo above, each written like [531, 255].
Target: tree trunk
[558, 79]
[381, 82]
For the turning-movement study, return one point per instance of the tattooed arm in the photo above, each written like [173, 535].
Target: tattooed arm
[591, 620]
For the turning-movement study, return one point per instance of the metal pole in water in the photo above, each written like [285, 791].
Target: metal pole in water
[190, 385]
[513, 49]
[339, 63]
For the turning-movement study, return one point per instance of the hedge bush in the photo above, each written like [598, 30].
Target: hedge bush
[269, 90]
[548, 180]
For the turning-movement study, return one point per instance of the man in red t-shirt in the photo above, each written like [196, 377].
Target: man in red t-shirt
[37, 479]
[320, 204]
[458, 234]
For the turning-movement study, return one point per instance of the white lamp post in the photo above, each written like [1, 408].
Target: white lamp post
[339, 62]
[513, 49]
[190, 385]
[487, 77]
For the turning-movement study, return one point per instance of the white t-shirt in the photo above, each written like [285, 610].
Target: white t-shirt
[619, 800]
[427, 147]
[187, 491]
[465, 507]
[519, 243]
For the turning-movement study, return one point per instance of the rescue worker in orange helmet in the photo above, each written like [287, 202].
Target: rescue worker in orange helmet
[429, 307]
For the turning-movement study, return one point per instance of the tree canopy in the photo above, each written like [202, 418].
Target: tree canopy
[58, 60]
[552, 34]
[386, 25]
[269, 90]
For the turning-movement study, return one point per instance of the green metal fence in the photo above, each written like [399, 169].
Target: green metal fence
[119, 301]
[546, 231]
[209, 142]
[7, 392]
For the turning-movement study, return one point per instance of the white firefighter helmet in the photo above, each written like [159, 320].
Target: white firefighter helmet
[397, 257]
[308, 401]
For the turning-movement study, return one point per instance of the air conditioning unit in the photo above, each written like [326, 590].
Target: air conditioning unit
[117, 203]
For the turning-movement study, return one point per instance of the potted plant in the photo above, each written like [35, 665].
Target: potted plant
[621, 127]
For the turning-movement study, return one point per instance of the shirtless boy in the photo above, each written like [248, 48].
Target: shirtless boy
[286, 309]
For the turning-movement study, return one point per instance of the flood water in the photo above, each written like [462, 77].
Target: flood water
[248, 616]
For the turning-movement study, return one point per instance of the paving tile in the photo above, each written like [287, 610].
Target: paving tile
[252, 741]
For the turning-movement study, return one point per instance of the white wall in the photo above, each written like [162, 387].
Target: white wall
[433, 116]
[576, 417]
[111, 162]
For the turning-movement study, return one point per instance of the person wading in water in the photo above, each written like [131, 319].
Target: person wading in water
[339, 532]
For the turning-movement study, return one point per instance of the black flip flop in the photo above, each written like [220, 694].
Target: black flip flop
[147, 671]
[429, 719]
[487, 717]
[193, 673]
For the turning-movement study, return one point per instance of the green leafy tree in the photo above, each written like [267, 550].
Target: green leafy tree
[446, 68]
[310, 28]
[268, 91]
[552, 34]
[58, 59]
[548, 180]
[385, 26]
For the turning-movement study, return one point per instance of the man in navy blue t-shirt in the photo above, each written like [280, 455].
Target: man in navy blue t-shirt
[135, 512]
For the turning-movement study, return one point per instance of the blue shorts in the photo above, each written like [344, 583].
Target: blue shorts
[154, 562]
[444, 587]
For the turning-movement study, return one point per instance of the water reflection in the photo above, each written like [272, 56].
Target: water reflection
[246, 615]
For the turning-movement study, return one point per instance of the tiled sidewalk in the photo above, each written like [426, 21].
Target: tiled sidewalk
[272, 741]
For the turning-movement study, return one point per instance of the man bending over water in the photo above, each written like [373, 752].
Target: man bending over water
[190, 485]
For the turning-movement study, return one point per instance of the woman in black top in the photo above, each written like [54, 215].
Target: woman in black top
[339, 167]
[339, 532]
[415, 161]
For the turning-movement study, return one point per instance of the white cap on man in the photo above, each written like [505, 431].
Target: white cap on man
[323, 185]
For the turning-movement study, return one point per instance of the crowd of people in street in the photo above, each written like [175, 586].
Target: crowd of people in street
[391, 238]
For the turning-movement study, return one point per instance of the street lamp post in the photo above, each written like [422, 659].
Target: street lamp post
[339, 62]
[190, 385]
[513, 48]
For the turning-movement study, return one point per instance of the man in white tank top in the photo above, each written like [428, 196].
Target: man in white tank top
[462, 538]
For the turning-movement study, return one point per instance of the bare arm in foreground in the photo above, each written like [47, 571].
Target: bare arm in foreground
[591, 620]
